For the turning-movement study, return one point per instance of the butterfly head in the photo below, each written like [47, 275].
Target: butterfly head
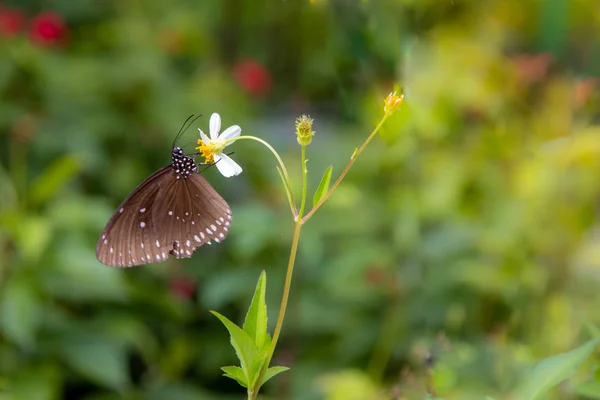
[183, 165]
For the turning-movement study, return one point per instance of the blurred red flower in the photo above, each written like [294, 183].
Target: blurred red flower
[532, 68]
[47, 29]
[11, 22]
[253, 77]
[182, 287]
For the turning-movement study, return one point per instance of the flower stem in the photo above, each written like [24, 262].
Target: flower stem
[285, 177]
[288, 278]
[346, 169]
[304, 173]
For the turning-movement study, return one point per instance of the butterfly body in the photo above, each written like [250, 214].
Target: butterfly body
[174, 211]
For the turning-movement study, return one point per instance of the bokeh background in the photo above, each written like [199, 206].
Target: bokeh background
[463, 246]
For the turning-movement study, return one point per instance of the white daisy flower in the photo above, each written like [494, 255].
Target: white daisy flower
[212, 148]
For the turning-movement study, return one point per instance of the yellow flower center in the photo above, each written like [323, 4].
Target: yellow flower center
[209, 149]
[206, 150]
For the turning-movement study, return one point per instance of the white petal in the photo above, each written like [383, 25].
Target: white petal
[230, 133]
[203, 136]
[215, 126]
[226, 166]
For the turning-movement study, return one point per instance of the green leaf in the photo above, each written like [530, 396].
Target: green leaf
[38, 382]
[236, 373]
[323, 186]
[21, 311]
[53, 178]
[271, 372]
[243, 345]
[553, 370]
[255, 324]
[98, 359]
[589, 390]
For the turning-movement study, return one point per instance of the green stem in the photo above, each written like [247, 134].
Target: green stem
[288, 281]
[345, 171]
[285, 176]
[304, 173]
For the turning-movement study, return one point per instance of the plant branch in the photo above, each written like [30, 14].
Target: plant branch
[345, 171]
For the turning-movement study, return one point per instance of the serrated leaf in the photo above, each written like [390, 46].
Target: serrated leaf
[271, 372]
[235, 372]
[255, 324]
[553, 370]
[243, 345]
[323, 186]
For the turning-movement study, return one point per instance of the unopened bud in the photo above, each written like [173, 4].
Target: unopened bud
[392, 103]
[304, 130]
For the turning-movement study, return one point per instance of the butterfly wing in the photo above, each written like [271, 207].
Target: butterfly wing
[190, 213]
[129, 237]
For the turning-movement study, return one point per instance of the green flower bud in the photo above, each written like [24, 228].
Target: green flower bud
[304, 130]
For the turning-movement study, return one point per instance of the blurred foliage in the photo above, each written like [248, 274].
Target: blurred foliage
[474, 216]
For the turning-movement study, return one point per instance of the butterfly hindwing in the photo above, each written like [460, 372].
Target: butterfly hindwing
[192, 214]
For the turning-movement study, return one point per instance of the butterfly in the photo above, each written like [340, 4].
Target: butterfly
[174, 211]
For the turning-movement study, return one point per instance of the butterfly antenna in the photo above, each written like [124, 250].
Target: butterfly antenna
[191, 119]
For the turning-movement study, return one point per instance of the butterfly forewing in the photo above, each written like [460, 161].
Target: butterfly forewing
[174, 211]
[128, 234]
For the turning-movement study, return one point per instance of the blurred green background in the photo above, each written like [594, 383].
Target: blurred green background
[463, 246]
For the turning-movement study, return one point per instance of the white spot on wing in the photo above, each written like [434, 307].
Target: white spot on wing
[202, 235]
[197, 239]
[157, 257]
[105, 241]
[121, 210]
[111, 250]
[142, 224]
[208, 231]
[222, 220]
[170, 212]
[142, 210]
[214, 228]
[157, 243]
[221, 235]
[164, 255]
[187, 243]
